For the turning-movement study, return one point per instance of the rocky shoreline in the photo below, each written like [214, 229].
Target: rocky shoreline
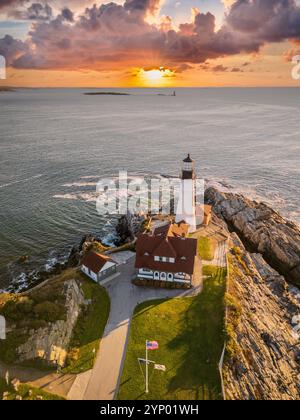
[126, 230]
[262, 230]
[263, 351]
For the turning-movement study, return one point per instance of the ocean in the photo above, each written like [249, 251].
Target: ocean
[55, 144]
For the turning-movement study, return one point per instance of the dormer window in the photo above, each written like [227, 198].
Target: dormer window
[164, 259]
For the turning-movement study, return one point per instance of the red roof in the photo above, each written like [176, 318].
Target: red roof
[94, 261]
[183, 250]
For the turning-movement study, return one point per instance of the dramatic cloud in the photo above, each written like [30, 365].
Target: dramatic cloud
[268, 20]
[118, 36]
[11, 48]
[36, 11]
[10, 3]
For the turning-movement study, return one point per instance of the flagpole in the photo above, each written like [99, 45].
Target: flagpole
[147, 385]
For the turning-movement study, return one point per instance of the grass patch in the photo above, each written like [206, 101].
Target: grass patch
[3, 387]
[210, 270]
[26, 392]
[190, 333]
[206, 248]
[89, 328]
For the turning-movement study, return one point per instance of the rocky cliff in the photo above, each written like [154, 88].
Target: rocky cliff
[262, 229]
[263, 351]
[128, 227]
[51, 343]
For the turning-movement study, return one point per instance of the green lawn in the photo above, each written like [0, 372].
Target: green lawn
[89, 328]
[190, 333]
[206, 248]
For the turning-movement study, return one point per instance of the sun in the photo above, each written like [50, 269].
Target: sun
[159, 76]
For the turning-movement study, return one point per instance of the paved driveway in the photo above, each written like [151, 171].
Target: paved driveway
[102, 382]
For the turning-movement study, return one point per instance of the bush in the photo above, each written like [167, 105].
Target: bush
[25, 305]
[49, 311]
[11, 312]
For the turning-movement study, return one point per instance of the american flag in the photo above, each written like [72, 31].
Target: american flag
[152, 345]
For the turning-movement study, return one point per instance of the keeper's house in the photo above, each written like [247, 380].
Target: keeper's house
[165, 258]
[97, 266]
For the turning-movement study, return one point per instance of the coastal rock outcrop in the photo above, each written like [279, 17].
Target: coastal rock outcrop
[262, 229]
[263, 351]
[50, 344]
[128, 227]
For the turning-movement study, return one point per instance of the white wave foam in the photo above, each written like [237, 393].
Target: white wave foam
[89, 177]
[21, 180]
[80, 184]
[92, 197]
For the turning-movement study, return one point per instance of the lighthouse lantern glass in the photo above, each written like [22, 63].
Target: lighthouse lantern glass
[188, 166]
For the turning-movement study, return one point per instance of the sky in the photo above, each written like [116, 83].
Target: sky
[149, 43]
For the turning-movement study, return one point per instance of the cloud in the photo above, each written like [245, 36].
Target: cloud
[266, 20]
[4, 4]
[143, 7]
[120, 36]
[11, 48]
[35, 11]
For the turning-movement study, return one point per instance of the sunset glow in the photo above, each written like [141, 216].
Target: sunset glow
[170, 43]
[155, 77]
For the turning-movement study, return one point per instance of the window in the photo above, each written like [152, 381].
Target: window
[164, 259]
[163, 276]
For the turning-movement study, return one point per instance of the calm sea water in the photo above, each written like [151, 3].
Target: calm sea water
[55, 145]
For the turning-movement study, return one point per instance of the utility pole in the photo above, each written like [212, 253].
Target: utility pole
[147, 370]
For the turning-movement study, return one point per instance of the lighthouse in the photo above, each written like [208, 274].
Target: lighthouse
[186, 210]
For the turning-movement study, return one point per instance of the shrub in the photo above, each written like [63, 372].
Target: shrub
[49, 311]
[209, 270]
[11, 312]
[25, 305]
[235, 309]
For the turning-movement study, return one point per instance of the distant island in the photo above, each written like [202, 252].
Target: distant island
[107, 93]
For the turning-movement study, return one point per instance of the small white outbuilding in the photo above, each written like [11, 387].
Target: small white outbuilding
[98, 266]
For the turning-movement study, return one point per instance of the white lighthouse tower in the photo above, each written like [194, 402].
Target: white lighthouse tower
[186, 210]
